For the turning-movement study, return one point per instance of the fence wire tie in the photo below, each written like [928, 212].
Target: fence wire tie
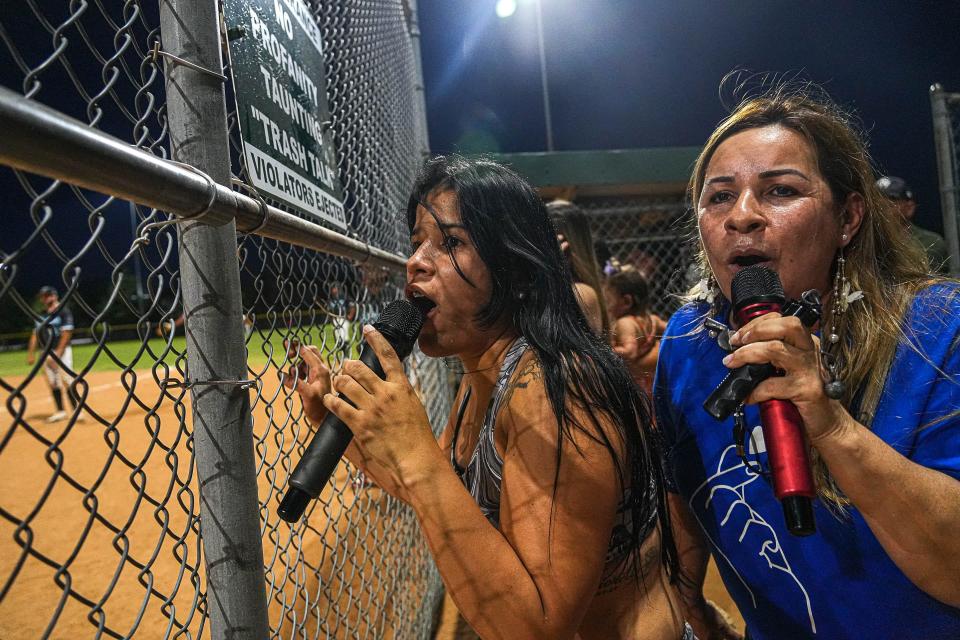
[144, 237]
[264, 207]
[156, 52]
[367, 248]
[190, 384]
[366, 258]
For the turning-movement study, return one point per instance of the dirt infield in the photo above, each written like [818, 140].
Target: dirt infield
[122, 532]
[91, 526]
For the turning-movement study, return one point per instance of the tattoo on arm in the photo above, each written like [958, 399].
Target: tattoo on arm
[530, 372]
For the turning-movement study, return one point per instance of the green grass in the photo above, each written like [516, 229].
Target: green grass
[116, 355]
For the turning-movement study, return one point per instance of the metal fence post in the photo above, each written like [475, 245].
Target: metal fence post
[210, 276]
[413, 24]
[947, 167]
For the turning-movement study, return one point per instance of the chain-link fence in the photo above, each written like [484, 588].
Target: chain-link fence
[651, 234]
[105, 376]
[946, 132]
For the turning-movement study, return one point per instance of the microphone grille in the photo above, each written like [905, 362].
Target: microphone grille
[755, 282]
[400, 323]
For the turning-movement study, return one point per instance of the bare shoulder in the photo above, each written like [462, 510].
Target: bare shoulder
[527, 414]
[590, 304]
[626, 325]
[526, 388]
[586, 292]
[532, 437]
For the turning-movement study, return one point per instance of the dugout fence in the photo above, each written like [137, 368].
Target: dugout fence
[635, 202]
[653, 234]
[150, 510]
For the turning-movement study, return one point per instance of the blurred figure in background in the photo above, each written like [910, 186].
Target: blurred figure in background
[635, 332]
[576, 243]
[342, 312]
[606, 261]
[897, 190]
[52, 334]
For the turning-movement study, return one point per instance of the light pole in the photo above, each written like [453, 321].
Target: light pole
[548, 121]
[505, 9]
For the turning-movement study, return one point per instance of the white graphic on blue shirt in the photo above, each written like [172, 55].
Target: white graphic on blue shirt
[49, 327]
[727, 496]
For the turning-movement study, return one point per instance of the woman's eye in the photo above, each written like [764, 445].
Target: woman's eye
[451, 242]
[783, 191]
[719, 196]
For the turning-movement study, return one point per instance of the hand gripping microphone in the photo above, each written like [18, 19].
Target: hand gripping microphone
[400, 324]
[757, 291]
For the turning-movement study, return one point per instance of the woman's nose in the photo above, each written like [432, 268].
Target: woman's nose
[420, 261]
[745, 216]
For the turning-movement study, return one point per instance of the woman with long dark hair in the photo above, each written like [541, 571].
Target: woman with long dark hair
[576, 243]
[542, 503]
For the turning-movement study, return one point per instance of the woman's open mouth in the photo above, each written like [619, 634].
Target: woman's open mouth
[422, 302]
[748, 260]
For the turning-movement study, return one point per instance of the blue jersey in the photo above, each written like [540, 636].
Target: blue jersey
[55, 325]
[839, 582]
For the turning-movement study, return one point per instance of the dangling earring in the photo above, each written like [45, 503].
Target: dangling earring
[716, 296]
[830, 346]
[708, 290]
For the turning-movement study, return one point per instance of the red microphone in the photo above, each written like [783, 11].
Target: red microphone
[757, 291]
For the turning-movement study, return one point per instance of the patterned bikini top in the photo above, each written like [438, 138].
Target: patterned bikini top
[483, 476]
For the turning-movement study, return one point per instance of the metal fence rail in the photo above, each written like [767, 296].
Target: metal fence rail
[100, 510]
[946, 133]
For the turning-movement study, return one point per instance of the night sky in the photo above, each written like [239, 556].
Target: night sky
[627, 74]
[622, 74]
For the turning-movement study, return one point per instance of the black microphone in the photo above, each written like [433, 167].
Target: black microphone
[757, 291]
[400, 324]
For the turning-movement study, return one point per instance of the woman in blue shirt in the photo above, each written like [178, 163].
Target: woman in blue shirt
[786, 182]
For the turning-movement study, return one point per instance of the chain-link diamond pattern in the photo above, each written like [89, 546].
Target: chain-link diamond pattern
[651, 234]
[99, 535]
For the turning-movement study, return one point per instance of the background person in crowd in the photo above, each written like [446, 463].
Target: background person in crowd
[52, 333]
[786, 182]
[897, 190]
[343, 312]
[636, 331]
[542, 502]
[607, 263]
[167, 327]
[576, 243]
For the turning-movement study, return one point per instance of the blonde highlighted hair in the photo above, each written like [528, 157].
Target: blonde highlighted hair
[881, 259]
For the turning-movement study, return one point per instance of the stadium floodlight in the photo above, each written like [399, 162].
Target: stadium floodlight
[506, 8]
